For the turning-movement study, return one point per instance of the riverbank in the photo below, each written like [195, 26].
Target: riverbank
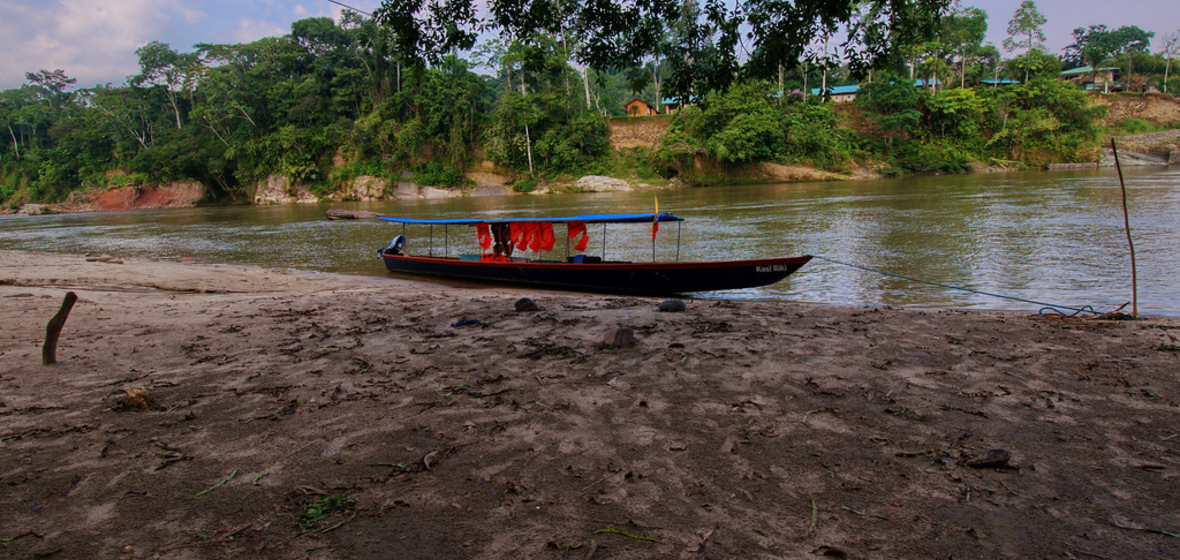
[279, 191]
[485, 179]
[357, 407]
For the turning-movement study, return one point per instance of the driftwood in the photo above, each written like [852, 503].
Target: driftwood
[338, 214]
[49, 351]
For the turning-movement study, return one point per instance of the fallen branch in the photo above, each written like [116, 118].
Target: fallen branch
[5, 540]
[337, 526]
[628, 534]
[212, 488]
[596, 483]
[1122, 523]
[869, 513]
[814, 517]
[53, 330]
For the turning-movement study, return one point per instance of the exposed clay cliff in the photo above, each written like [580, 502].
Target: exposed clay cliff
[1159, 109]
[637, 132]
[130, 197]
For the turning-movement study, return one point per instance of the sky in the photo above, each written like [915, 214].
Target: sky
[94, 41]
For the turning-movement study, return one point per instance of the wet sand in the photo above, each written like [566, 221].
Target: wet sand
[299, 415]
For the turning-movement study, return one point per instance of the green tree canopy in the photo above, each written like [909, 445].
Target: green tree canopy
[618, 34]
[1024, 29]
[1096, 43]
[963, 31]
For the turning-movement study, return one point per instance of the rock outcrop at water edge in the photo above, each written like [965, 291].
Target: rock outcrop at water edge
[601, 183]
[1127, 158]
[365, 188]
[280, 189]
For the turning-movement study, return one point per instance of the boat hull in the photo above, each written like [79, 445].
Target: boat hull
[650, 278]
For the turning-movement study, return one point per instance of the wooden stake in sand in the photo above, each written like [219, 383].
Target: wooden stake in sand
[49, 351]
[1127, 224]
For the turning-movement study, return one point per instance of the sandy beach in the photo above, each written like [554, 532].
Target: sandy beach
[201, 411]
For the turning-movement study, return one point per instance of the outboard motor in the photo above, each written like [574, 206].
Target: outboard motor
[397, 246]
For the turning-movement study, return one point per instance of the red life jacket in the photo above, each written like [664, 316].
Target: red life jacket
[576, 229]
[519, 232]
[547, 238]
[484, 234]
[536, 237]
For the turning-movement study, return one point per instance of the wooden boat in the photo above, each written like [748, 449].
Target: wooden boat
[579, 271]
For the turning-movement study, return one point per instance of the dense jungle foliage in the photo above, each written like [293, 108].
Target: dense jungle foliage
[335, 100]
[326, 103]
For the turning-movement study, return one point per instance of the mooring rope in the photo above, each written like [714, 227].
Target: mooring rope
[1046, 307]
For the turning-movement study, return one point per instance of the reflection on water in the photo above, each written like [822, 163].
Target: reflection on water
[1038, 236]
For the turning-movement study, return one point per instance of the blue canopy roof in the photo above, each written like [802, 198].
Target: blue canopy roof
[588, 218]
[837, 90]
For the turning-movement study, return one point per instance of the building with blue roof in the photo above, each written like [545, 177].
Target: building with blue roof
[839, 94]
[1003, 82]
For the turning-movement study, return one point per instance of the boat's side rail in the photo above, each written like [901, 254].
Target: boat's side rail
[576, 259]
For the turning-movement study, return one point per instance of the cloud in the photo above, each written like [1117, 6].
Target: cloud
[93, 41]
[250, 30]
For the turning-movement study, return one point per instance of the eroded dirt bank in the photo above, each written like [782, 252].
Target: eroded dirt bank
[731, 431]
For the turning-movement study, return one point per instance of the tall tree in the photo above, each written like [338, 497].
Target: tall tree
[987, 62]
[375, 53]
[750, 38]
[1130, 40]
[161, 66]
[47, 103]
[1096, 43]
[12, 108]
[963, 31]
[1090, 47]
[1024, 30]
[123, 113]
[51, 86]
[1171, 49]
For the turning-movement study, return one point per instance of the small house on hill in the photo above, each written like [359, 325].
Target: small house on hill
[1089, 78]
[839, 94]
[674, 104]
[639, 108]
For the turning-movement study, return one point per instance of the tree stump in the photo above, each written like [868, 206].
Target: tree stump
[49, 351]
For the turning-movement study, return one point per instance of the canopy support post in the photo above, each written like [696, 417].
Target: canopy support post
[431, 240]
[603, 241]
[446, 240]
[653, 247]
[678, 241]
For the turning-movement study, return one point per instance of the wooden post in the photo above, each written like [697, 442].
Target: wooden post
[1127, 225]
[49, 351]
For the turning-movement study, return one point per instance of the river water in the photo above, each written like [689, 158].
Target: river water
[1046, 237]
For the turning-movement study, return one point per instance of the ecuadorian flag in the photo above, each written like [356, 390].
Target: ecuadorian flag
[655, 219]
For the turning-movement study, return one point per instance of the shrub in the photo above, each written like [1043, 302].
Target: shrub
[436, 174]
[813, 134]
[526, 185]
[739, 126]
[1135, 126]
